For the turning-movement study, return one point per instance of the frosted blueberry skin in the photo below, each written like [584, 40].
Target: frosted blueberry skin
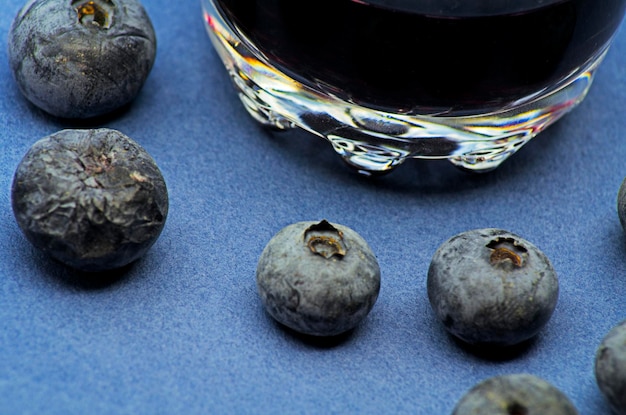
[81, 58]
[491, 287]
[515, 394]
[610, 368]
[92, 199]
[319, 279]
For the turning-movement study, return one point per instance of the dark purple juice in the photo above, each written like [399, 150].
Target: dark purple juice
[402, 61]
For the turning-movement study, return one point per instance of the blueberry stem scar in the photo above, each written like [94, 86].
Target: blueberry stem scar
[506, 249]
[97, 12]
[325, 245]
[517, 409]
[503, 254]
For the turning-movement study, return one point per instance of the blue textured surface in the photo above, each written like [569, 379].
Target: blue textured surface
[183, 330]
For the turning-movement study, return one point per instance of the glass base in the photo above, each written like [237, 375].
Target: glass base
[374, 141]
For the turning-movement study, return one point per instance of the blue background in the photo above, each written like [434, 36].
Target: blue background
[183, 330]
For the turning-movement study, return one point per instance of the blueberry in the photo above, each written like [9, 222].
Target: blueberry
[514, 394]
[621, 204]
[93, 199]
[491, 287]
[610, 368]
[319, 279]
[81, 58]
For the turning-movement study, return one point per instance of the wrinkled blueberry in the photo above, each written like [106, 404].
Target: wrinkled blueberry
[320, 279]
[93, 199]
[610, 368]
[81, 58]
[515, 394]
[621, 204]
[489, 286]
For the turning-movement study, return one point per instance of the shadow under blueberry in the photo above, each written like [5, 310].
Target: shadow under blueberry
[92, 122]
[600, 401]
[487, 352]
[83, 280]
[496, 353]
[316, 342]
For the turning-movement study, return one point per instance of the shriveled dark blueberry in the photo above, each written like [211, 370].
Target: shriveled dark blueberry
[515, 394]
[320, 279]
[610, 368]
[492, 287]
[621, 204]
[93, 199]
[81, 58]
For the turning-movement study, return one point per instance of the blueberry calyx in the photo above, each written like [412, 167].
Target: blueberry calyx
[94, 12]
[507, 250]
[324, 239]
[92, 166]
[516, 409]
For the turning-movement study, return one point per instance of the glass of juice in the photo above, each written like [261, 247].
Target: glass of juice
[387, 80]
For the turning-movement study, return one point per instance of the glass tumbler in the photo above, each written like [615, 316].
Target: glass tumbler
[387, 80]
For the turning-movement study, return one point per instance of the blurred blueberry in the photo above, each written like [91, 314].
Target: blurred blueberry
[621, 204]
[515, 394]
[81, 58]
[610, 368]
[93, 199]
[320, 279]
[489, 286]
